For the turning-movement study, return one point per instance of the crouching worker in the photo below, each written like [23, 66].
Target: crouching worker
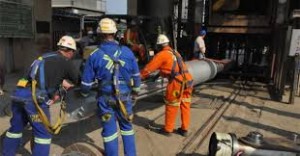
[116, 70]
[35, 92]
[179, 88]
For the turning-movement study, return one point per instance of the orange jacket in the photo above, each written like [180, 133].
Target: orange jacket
[163, 61]
[131, 37]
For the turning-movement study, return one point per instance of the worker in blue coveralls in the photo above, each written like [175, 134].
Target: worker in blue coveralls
[46, 75]
[115, 68]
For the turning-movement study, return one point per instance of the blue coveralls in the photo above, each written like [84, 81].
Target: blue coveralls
[24, 112]
[100, 66]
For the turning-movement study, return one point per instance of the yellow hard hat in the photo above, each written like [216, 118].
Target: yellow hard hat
[162, 39]
[67, 42]
[107, 26]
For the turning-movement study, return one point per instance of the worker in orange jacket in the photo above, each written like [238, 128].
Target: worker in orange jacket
[131, 37]
[179, 88]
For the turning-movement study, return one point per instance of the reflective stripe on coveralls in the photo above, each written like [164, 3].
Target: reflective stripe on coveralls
[87, 84]
[110, 138]
[131, 132]
[186, 99]
[176, 103]
[172, 103]
[42, 140]
[13, 135]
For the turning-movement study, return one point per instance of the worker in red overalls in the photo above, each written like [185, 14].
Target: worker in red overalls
[131, 37]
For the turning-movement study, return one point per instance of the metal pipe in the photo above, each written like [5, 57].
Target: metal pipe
[203, 70]
[294, 80]
[253, 144]
[273, 66]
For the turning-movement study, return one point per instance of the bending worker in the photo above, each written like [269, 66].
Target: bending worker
[199, 45]
[131, 37]
[179, 88]
[116, 70]
[40, 86]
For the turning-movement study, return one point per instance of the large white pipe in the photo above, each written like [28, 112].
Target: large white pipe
[203, 70]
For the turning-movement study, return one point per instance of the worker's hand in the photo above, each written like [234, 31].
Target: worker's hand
[134, 95]
[143, 77]
[55, 98]
[67, 85]
[144, 74]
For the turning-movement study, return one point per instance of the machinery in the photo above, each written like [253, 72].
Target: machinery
[254, 144]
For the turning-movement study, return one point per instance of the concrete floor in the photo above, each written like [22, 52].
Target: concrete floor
[250, 110]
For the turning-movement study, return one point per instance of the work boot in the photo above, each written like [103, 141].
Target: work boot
[162, 131]
[182, 132]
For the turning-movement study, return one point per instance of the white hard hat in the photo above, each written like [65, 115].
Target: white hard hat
[107, 26]
[67, 42]
[162, 39]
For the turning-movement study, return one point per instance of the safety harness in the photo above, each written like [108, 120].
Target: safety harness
[113, 65]
[173, 76]
[41, 95]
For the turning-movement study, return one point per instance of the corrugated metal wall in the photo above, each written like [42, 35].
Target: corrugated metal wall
[18, 53]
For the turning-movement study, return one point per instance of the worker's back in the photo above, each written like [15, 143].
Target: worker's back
[102, 59]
